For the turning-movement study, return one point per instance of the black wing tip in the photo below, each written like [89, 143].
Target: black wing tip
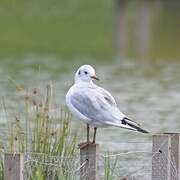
[142, 130]
[137, 128]
[134, 126]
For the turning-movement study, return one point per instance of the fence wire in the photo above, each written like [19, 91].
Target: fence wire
[127, 165]
[124, 165]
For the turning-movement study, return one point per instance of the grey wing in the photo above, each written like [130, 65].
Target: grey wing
[107, 96]
[112, 101]
[97, 106]
[84, 105]
[100, 106]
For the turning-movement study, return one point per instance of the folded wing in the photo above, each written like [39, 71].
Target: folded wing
[98, 104]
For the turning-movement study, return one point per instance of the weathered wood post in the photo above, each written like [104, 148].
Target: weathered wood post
[165, 159]
[13, 166]
[88, 162]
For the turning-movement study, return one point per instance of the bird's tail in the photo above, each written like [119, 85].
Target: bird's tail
[134, 125]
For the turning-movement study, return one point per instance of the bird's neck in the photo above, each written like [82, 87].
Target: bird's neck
[83, 83]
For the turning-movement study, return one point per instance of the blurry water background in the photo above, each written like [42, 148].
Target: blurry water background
[134, 45]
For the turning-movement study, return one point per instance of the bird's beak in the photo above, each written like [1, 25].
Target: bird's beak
[95, 77]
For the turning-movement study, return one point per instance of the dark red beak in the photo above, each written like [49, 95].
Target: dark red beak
[95, 77]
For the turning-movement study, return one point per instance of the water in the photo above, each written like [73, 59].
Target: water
[147, 92]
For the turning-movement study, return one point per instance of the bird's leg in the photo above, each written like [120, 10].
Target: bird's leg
[87, 132]
[94, 136]
[84, 144]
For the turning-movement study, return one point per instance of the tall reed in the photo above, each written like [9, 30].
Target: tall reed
[44, 135]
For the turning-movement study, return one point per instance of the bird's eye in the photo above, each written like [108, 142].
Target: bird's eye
[85, 72]
[79, 72]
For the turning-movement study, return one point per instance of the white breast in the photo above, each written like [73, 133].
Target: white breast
[73, 110]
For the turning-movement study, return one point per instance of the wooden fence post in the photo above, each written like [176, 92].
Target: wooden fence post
[88, 162]
[165, 159]
[13, 166]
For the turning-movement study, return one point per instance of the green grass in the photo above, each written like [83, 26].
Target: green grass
[66, 28]
[48, 140]
[43, 135]
[76, 28]
[1, 166]
[109, 168]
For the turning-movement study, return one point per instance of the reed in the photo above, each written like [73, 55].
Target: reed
[109, 167]
[1, 166]
[47, 138]
[42, 133]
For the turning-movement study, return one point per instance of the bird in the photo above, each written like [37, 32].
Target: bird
[95, 106]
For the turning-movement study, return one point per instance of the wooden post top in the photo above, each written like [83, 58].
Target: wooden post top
[89, 162]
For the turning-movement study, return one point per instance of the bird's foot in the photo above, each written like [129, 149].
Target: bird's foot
[84, 144]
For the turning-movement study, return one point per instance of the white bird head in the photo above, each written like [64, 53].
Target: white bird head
[85, 73]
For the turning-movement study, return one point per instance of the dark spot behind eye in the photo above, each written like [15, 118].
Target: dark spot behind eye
[79, 72]
[85, 72]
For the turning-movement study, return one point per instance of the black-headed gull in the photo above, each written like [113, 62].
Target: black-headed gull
[94, 105]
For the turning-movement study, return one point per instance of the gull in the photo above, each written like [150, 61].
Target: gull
[94, 105]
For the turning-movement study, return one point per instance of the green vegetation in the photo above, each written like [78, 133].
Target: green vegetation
[150, 30]
[77, 28]
[67, 28]
[166, 36]
[109, 168]
[1, 166]
[47, 139]
[43, 135]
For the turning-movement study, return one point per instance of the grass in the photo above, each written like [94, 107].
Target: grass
[43, 136]
[46, 137]
[1, 166]
[76, 28]
[109, 167]
[70, 28]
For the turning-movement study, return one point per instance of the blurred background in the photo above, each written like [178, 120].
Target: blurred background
[134, 46]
